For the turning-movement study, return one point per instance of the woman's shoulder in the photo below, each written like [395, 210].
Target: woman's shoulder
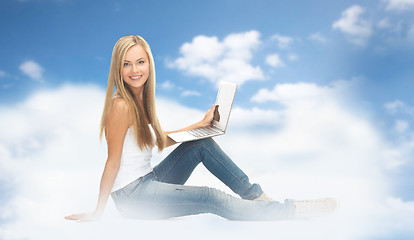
[117, 98]
[119, 106]
[118, 114]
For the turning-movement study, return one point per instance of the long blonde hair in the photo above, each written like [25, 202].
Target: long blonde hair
[140, 127]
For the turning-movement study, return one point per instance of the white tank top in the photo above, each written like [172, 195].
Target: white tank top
[135, 162]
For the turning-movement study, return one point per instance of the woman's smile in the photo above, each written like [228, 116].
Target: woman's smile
[135, 77]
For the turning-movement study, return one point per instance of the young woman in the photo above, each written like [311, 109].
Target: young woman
[132, 129]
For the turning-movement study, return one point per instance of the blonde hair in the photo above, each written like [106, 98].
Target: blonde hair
[140, 127]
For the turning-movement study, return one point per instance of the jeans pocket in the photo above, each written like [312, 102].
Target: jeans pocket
[133, 190]
[119, 194]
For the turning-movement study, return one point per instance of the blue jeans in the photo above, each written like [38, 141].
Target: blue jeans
[161, 193]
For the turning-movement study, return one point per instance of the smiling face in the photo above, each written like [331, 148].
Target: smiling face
[136, 68]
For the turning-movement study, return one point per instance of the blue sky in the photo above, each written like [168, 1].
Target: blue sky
[72, 40]
[357, 54]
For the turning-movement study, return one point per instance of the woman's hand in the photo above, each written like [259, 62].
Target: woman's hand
[84, 217]
[206, 122]
[116, 127]
[208, 118]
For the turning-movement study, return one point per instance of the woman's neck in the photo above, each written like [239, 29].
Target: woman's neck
[138, 93]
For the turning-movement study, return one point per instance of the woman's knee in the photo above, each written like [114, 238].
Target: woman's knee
[206, 142]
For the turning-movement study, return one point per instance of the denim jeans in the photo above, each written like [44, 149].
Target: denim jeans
[161, 193]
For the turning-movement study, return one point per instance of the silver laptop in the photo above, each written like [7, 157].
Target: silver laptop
[224, 102]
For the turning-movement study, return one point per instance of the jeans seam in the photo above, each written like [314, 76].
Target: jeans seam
[215, 157]
[175, 162]
[221, 163]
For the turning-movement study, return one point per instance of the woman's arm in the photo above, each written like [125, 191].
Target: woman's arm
[117, 124]
[205, 122]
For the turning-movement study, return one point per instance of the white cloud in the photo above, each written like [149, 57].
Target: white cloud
[5, 84]
[248, 119]
[227, 60]
[401, 126]
[33, 70]
[188, 93]
[282, 41]
[50, 149]
[357, 29]
[296, 92]
[241, 45]
[2, 74]
[319, 134]
[398, 204]
[410, 34]
[314, 146]
[393, 107]
[170, 120]
[404, 137]
[395, 32]
[399, 5]
[404, 211]
[293, 57]
[167, 85]
[274, 60]
[384, 23]
[318, 37]
[399, 107]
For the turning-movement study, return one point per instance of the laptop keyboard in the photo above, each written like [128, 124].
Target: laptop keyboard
[202, 132]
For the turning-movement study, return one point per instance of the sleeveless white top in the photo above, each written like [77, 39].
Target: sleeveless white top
[135, 162]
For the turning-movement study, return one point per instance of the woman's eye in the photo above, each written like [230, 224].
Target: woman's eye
[126, 64]
[140, 62]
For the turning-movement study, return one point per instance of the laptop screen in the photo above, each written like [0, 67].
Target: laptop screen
[224, 101]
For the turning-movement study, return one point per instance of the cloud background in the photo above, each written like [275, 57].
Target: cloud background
[324, 108]
[336, 154]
